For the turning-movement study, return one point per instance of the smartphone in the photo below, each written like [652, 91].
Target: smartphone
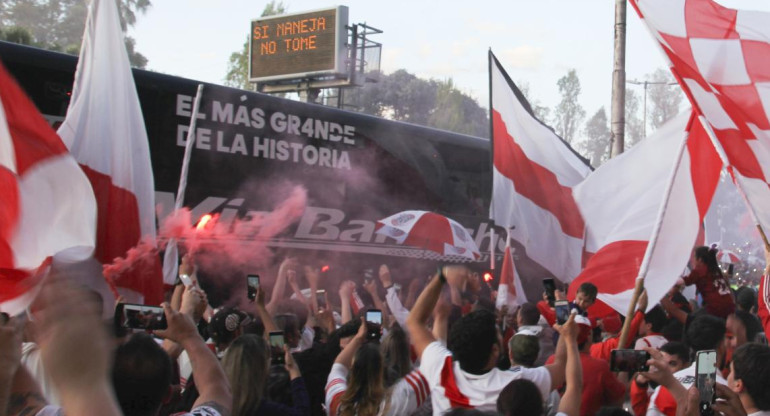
[550, 290]
[373, 324]
[276, 347]
[186, 280]
[320, 297]
[562, 311]
[705, 379]
[252, 284]
[368, 275]
[631, 361]
[129, 315]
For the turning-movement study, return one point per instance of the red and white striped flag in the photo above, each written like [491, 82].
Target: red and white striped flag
[46, 203]
[720, 58]
[532, 179]
[626, 197]
[104, 130]
[509, 292]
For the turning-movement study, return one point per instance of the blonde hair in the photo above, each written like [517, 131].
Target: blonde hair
[366, 385]
[246, 364]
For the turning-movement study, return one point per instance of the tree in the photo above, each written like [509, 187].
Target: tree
[457, 112]
[238, 64]
[542, 113]
[58, 24]
[634, 124]
[664, 97]
[569, 113]
[596, 144]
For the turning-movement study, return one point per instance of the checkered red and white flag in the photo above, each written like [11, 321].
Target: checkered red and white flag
[721, 58]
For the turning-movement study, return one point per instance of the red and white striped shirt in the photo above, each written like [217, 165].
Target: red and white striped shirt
[406, 396]
[452, 387]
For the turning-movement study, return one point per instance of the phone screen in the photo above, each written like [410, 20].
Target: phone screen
[550, 290]
[373, 324]
[276, 347]
[705, 379]
[562, 311]
[252, 282]
[631, 361]
[320, 295]
[186, 280]
[141, 316]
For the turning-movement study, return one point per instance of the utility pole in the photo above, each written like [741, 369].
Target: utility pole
[618, 118]
[647, 84]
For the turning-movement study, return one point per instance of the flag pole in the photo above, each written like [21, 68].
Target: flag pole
[171, 256]
[736, 178]
[639, 286]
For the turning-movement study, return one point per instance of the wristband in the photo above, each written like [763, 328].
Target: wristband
[388, 287]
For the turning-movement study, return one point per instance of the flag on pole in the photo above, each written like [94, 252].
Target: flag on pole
[46, 202]
[719, 56]
[104, 130]
[532, 178]
[647, 205]
[509, 292]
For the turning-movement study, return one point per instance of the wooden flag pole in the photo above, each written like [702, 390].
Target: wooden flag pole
[631, 309]
[764, 237]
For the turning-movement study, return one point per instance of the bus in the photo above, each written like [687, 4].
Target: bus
[251, 149]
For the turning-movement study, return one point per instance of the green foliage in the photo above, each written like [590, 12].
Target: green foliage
[569, 113]
[596, 144]
[16, 34]
[634, 131]
[664, 97]
[238, 64]
[404, 97]
[58, 24]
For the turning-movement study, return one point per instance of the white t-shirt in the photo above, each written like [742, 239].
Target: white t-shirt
[452, 387]
[406, 396]
[687, 378]
[654, 341]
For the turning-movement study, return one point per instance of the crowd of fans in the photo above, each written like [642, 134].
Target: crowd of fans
[440, 349]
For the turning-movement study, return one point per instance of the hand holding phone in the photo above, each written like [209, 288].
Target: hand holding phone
[632, 361]
[705, 380]
[321, 299]
[373, 324]
[562, 311]
[277, 341]
[133, 316]
[186, 280]
[252, 284]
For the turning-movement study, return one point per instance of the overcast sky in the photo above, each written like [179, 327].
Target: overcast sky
[537, 41]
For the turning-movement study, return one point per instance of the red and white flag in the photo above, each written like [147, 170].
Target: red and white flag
[510, 292]
[720, 58]
[104, 130]
[656, 193]
[46, 203]
[532, 179]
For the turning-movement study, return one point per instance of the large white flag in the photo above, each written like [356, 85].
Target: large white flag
[720, 58]
[668, 179]
[532, 178]
[104, 130]
[46, 203]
